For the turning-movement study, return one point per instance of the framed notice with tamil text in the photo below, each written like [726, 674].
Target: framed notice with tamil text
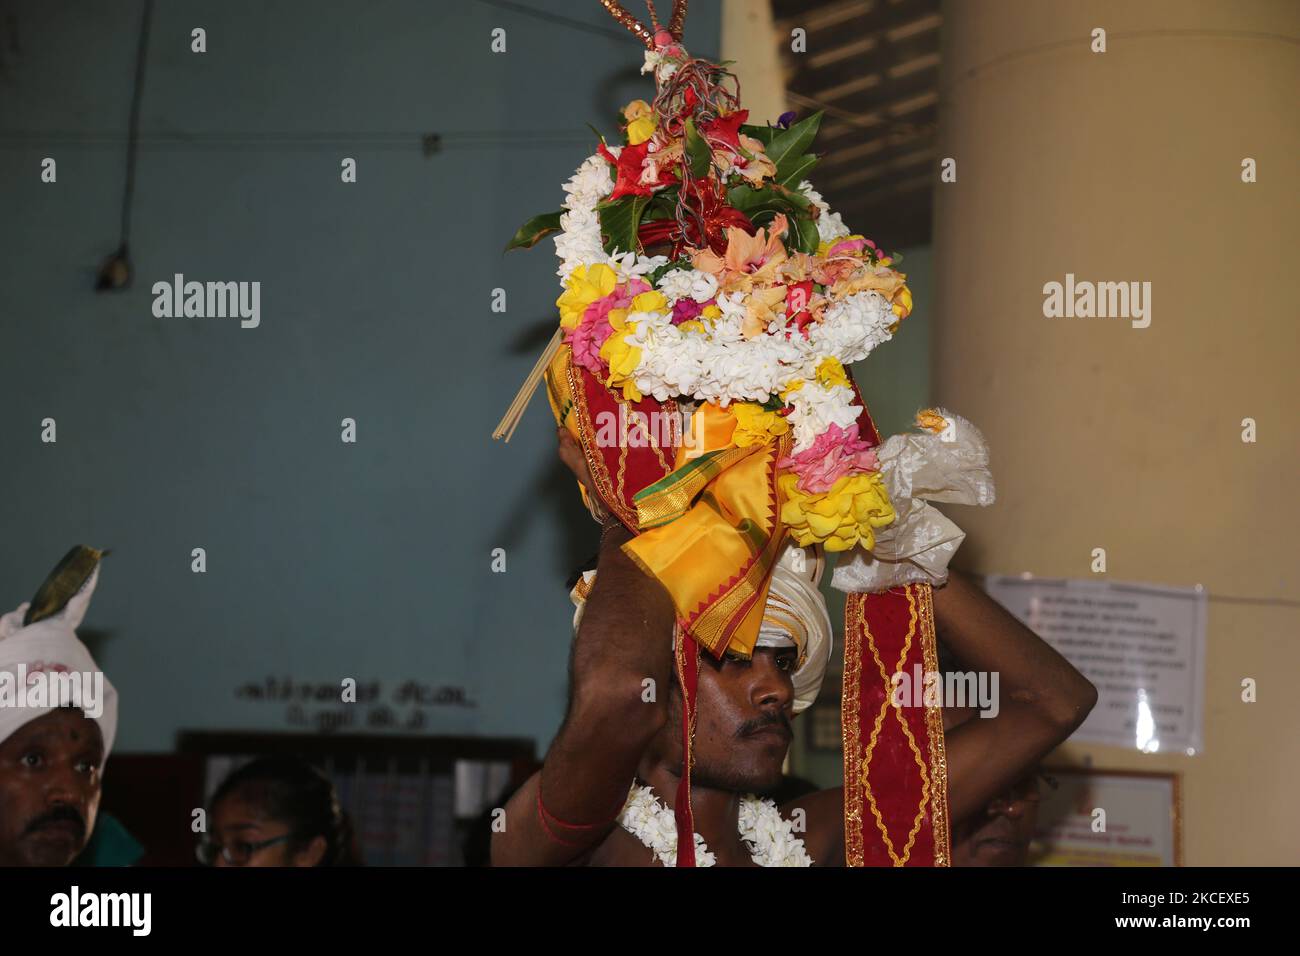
[1142, 645]
[1109, 818]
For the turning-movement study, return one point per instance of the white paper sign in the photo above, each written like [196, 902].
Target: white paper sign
[1140, 826]
[1142, 645]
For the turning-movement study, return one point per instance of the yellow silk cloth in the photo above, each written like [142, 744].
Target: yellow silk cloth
[708, 521]
[711, 532]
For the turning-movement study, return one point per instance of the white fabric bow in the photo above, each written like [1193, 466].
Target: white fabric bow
[918, 468]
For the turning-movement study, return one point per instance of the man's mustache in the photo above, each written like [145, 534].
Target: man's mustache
[59, 814]
[763, 722]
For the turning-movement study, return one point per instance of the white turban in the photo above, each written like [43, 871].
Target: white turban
[795, 616]
[46, 647]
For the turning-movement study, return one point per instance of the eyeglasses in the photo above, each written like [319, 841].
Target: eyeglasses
[237, 853]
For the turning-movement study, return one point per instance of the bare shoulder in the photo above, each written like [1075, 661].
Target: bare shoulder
[822, 815]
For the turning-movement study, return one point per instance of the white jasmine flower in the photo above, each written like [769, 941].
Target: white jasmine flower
[720, 365]
[769, 838]
[688, 283]
[816, 407]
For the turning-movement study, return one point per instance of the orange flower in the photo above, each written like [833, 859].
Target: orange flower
[750, 260]
[890, 284]
[758, 310]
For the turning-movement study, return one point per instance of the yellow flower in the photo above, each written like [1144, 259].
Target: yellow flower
[621, 357]
[640, 119]
[755, 425]
[638, 131]
[693, 325]
[931, 420]
[790, 389]
[637, 109]
[711, 312]
[846, 515]
[902, 304]
[649, 302]
[830, 372]
[584, 287]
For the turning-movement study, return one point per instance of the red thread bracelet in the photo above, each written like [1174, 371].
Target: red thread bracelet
[541, 815]
[541, 807]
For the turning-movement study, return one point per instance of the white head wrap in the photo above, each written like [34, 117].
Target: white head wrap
[795, 616]
[51, 645]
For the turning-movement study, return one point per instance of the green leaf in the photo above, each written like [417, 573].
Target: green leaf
[764, 134]
[798, 170]
[663, 204]
[789, 145]
[63, 583]
[773, 404]
[802, 236]
[771, 198]
[698, 150]
[535, 230]
[619, 221]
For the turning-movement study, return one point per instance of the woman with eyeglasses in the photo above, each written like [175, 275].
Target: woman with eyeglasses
[277, 811]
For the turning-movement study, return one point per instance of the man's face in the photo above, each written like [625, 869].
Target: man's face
[742, 728]
[1000, 836]
[49, 789]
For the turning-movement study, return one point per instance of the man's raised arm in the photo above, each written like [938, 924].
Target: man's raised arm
[625, 637]
[1042, 698]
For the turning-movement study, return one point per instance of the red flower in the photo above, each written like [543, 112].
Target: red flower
[706, 201]
[630, 164]
[725, 130]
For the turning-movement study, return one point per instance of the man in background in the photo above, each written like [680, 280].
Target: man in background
[1000, 833]
[58, 717]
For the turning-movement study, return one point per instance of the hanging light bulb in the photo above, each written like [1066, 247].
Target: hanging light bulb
[115, 272]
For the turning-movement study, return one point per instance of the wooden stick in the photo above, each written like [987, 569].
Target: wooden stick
[506, 427]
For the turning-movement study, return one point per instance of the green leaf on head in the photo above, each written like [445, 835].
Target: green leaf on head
[764, 134]
[619, 222]
[802, 236]
[535, 230]
[698, 151]
[788, 147]
[797, 170]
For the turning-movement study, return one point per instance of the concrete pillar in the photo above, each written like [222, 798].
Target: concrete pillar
[748, 39]
[1126, 166]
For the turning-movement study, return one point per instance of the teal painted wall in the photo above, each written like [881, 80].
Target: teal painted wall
[325, 560]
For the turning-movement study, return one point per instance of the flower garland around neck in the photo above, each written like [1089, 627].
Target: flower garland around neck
[768, 836]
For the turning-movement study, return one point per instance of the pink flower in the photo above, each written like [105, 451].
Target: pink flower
[686, 309]
[590, 333]
[847, 247]
[836, 452]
